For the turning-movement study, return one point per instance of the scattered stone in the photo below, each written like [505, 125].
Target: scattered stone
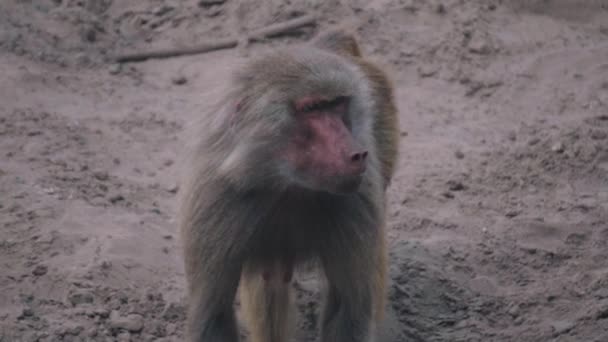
[179, 80]
[116, 198]
[512, 213]
[174, 312]
[82, 59]
[101, 175]
[459, 154]
[89, 34]
[427, 70]
[561, 327]
[40, 270]
[455, 185]
[123, 337]
[440, 9]
[479, 45]
[26, 312]
[73, 329]
[171, 328]
[514, 311]
[208, 3]
[162, 10]
[173, 189]
[512, 136]
[558, 147]
[115, 69]
[80, 297]
[92, 332]
[598, 135]
[131, 322]
[168, 162]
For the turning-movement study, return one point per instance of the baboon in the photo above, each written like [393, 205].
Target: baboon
[292, 166]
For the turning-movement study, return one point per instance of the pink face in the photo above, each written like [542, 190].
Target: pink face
[322, 149]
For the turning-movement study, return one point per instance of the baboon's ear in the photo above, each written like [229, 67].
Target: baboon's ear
[339, 41]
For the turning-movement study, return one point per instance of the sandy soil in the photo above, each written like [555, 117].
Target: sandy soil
[498, 213]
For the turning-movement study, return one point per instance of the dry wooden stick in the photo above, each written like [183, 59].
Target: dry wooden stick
[226, 43]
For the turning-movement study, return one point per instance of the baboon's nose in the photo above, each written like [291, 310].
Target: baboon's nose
[357, 161]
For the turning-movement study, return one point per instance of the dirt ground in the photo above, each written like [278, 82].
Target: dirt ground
[498, 219]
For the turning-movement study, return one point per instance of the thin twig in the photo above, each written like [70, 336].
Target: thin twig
[226, 43]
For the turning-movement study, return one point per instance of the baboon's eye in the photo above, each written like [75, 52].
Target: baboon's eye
[323, 105]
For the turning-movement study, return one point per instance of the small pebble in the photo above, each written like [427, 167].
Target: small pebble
[40, 270]
[80, 297]
[598, 135]
[558, 147]
[179, 80]
[459, 154]
[132, 322]
[116, 198]
[455, 185]
[123, 337]
[27, 312]
[512, 213]
[115, 69]
[101, 175]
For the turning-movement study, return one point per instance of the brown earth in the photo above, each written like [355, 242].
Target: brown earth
[498, 213]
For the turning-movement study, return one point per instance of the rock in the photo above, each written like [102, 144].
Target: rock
[455, 185]
[598, 135]
[173, 189]
[179, 80]
[479, 45]
[208, 3]
[561, 327]
[101, 175]
[440, 9]
[115, 69]
[73, 329]
[171, 328]
[131, 322]
[162, 10]
[447, 194]
[123, 337]
[82, 59]
[26, 312]
[40, 270]
[174, 312]
[80, 297]
[101, 312]
[558, 147]
[512, 213]
[427, 70]
[92, 332]
[89, 34]
[116, 198]
[459, 154]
